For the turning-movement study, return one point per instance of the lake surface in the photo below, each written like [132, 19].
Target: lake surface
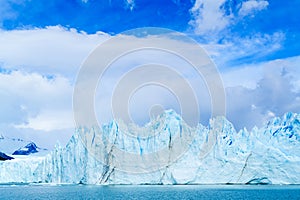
[150, 192]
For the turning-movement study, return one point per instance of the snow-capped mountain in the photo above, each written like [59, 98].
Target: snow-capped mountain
[17, 146]
[174, 154]
[3, 156]
[28, 149]
[9, 145]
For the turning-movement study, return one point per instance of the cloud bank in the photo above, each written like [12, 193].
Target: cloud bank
[38, 67]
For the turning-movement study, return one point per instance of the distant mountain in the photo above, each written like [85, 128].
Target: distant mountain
[8, 145]
[18, 146]
[3, 156]
[28, 149]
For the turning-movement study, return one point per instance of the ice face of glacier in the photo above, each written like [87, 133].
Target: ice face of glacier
[168, 151]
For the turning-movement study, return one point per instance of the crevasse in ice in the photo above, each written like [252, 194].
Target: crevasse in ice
[121, 154]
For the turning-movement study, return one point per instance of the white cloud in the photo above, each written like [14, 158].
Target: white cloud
[49, 120]
[6, 10]
[143, 102]
[275, 91]
[209, 17]
[255, 46]
[27, 98]
[32, 101]
[252, 6]
[52, 50]
[130, 4]
[246, 77]
[212, 22]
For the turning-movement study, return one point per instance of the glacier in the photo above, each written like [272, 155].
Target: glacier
[117, 153]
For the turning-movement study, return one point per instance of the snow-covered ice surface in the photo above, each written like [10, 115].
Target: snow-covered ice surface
[269, 155]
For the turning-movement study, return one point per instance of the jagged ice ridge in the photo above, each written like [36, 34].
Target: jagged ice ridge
[269, 155]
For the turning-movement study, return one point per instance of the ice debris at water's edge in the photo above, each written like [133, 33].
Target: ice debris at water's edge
[269, 155]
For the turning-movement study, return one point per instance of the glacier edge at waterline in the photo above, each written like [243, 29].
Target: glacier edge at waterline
[216, 154]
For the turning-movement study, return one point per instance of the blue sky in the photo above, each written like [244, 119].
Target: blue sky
[254, 43]
[115, 16]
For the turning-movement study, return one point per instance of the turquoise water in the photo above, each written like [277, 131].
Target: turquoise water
[149, 192]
